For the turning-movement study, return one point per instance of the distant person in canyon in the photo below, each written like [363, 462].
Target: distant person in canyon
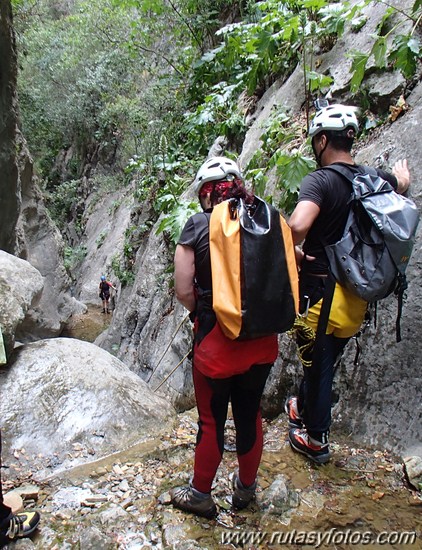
[104, 289]
[319, 220]
[13, 526]
[223, 370]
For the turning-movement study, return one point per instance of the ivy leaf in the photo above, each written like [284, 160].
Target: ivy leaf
[253, 78]
[416, 6]
[379, 49]
[404, 54]
[388, 13]
[292, 169]
[259, 181]
[318, 81]
[313, 4]
[358, 67]
[264, 44]
[207, 57]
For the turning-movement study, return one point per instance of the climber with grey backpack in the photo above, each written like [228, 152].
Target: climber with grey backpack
[371, 258]
[356, 234]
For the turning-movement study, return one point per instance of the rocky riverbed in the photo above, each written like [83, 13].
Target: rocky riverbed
[122, 502]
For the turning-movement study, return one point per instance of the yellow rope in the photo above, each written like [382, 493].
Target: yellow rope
[306, 336]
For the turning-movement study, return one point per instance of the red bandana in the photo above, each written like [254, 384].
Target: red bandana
[221, 188]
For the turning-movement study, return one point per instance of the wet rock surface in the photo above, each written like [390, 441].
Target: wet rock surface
[122, 502]
[65, 402]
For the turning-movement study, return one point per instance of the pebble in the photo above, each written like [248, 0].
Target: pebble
[130, 502]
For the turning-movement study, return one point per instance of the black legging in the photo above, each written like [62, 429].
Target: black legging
[212, 399]
[316, 387]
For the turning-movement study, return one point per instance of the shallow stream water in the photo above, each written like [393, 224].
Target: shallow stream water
[87, 326]
[359, 500]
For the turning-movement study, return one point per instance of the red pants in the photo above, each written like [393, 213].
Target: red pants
[212, 399]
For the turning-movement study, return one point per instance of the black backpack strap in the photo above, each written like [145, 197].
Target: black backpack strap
[347, 172]
[399, 291]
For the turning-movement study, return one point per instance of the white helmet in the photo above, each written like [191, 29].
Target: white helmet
[214, 169]
[334, 117]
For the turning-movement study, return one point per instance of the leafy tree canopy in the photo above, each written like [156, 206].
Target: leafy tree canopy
[127, 76]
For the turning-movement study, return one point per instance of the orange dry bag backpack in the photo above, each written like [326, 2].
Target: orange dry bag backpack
[254, 274]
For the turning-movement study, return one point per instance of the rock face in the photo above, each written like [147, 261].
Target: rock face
[25, 227]
[154, 336]
[380, 398]
[20, 288]
[40, 243]
[105, 237]
[387, 379]
[79, 404]
[9, 177]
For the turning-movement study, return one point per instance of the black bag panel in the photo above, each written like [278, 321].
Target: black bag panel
[267, 301]
[205, 316]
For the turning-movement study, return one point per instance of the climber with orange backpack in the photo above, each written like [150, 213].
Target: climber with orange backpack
[235, 272]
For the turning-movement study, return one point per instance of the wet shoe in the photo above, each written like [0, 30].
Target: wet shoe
[189, 499]
[290, 406]
[302, 443]
[17, 526]
[242, 495]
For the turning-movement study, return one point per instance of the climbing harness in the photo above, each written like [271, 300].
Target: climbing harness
[306, 336]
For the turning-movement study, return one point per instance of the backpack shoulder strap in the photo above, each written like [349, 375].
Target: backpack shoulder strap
[348, 173]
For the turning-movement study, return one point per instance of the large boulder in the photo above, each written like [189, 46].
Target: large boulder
[20, 288]
[68, 402]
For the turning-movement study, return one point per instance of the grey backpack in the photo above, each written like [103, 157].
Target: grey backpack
[371, 258]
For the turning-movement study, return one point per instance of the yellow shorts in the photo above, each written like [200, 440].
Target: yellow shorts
[346, 315]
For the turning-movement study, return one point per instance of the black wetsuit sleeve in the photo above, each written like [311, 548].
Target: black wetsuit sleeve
[188, 236]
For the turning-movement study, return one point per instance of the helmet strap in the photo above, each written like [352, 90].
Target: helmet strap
[318, 157]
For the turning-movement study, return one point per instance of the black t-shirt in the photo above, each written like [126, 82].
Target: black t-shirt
[196, 235]
[331, 192]
[105, 287]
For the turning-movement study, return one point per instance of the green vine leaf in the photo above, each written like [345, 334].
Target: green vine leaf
[405, 54]
[379, 50]
[416, 6]
[359, 61]
[318, 81]
[292, 169]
